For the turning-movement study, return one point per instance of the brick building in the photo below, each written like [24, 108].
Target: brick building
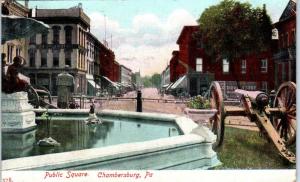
[285, 57]
[107, 58]
[125, 75]
[255, 72]
[110, 69]
[116, 72]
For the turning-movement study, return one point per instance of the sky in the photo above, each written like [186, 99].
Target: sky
[143, 33]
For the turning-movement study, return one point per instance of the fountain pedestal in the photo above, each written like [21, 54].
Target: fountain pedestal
[17, 114]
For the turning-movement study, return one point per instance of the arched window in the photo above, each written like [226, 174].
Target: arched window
[56, 30]
[31, 58]
[68, 58]
[44, 58]
[55, 58]
[68, 34]
[45, 38]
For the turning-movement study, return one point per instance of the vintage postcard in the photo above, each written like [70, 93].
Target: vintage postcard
[148, 90]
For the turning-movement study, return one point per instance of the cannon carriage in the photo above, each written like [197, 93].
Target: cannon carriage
[277, 123]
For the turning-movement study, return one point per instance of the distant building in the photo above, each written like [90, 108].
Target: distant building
[165, 76]
[93, 59]
[125, 75]
[285, 57]
[65, 44]
[16, 47]
[116, 72]
[107, 58]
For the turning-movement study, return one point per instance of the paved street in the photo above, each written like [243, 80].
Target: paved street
[171, 108]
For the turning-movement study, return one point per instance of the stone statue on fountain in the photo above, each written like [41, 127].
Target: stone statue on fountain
[17, 113]
[11, 82]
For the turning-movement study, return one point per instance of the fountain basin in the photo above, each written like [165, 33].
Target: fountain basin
[192, 149]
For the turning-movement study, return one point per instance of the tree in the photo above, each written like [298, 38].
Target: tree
[233, 29]
[156, 79]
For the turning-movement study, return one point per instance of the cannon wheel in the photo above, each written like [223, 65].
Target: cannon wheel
[33, 97]
[217, 122]
[285, 122]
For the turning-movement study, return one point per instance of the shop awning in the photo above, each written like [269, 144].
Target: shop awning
[180, 83]
[165, 86]
[111, 82]
[169, 86]
[93, 84]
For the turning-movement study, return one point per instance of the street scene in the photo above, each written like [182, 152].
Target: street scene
[148, 85]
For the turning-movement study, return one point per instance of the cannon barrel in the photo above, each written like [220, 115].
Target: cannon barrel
[259, 98]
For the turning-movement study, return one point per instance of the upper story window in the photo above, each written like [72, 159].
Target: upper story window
[88, 49]
[68, 58]
[45, 38]
[264, 66]
[56, 30]
[44, 58]
[55, 58]
[32, 39]
[18, 51]
[68, 34]
[225, 66]
[199, 65]
[287, 43]
[31, 58]
[282, 41]
[244, 66]
[293, 38]
[10, 48]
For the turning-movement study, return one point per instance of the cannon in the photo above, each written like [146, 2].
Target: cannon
[277, 123]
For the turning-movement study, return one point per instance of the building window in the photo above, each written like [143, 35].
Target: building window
[32, 58]
[287, 39]
[199, 65]
[264, 65]
[244, 66]
[10, 53]
[68, 58]
[18, 51]
[56, 34]
[91, 68]
[55, 58]
[225, 66]
[44, 59]
[44, 38]
[32, 39]
[88, 49]
[68, 34]
[293, 36]
[264, 86]
[282, 41]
